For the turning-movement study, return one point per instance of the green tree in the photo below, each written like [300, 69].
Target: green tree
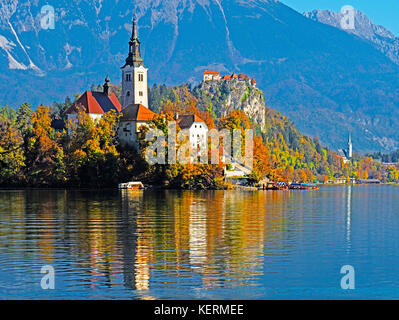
[11, 154]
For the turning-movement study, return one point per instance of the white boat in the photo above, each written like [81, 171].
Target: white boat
[131, 186]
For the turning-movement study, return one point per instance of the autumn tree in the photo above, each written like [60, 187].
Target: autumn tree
[11, 154]
[43, 152]
[92, 157]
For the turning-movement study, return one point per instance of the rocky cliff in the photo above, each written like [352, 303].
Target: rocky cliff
[221, 97]
[381, 38]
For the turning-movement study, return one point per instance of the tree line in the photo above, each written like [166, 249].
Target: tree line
[33, 154]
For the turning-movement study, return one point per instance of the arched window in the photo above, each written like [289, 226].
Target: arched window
[128, 94]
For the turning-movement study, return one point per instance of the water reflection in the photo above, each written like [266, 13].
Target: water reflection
[132, 238]
[348, 217]
[170, 244]
[217, 236]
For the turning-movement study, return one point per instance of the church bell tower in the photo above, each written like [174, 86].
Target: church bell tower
[350, 147]
[134, 73]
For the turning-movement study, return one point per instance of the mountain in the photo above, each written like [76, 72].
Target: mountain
[381, 38]
[326, 80]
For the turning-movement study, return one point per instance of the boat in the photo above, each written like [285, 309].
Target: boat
[277, 186]
[303, 186]
[135, 185]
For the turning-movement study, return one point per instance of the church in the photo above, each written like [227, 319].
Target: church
[135, 111]
[347, 154]
[133, 102]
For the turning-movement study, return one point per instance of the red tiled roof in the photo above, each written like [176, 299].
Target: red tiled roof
[243, 76]
[212, 72]
[137, 112]
[253, 81]
[234, 76]
[226, 77]
[186, 121]
[95, 102]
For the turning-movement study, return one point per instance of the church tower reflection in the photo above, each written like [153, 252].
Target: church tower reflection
[348, 217]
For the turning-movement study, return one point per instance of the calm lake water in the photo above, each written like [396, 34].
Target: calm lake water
[200, 245]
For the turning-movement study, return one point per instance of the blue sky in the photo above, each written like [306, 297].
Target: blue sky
[383, 12]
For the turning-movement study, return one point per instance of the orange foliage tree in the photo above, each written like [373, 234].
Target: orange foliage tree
[43, 151]
[92, 156]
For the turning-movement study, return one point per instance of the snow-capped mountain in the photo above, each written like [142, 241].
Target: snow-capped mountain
[327, 80]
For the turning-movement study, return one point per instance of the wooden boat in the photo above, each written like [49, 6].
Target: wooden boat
[303, 186]
[131, 186]
[277, 186]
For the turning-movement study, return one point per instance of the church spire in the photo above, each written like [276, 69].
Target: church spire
[350, 146]
[134, 58]
[135, 34]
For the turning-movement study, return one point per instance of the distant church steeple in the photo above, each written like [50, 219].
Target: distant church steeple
[350, 147]
[134, 73]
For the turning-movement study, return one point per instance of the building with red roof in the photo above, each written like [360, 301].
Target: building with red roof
[244, 77]
[94, 103]
[210, 75]
[134, 117]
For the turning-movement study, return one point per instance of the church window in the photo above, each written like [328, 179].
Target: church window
[141, 77]
[128, 77]
[141, 93]
[128, 94]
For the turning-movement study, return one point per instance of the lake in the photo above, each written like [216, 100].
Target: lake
[110, 244]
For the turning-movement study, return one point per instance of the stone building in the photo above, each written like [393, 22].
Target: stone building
[133, 118]
[210, 75]
[135, 112]
[134, 73]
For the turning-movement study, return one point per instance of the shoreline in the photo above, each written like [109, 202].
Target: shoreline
[156, 188]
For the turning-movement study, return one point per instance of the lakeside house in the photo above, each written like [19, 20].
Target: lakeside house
[368, 181]
[197, 130]
[342, 180]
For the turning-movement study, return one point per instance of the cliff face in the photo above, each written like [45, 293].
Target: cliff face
[221, 97]
[381, 38]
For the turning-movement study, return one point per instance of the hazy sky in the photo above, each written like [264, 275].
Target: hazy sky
[383, 12]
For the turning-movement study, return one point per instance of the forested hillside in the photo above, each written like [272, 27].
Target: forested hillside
[33, 153]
